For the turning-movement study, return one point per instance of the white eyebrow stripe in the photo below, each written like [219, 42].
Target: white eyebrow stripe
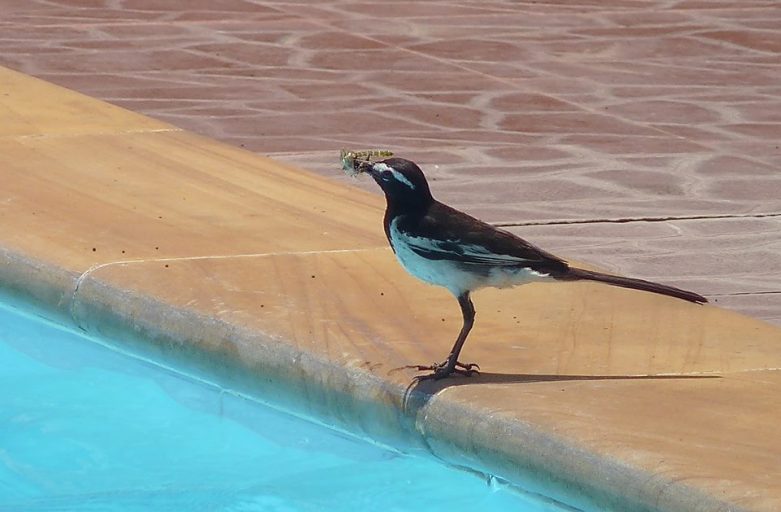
[400, 177]
[396, 174]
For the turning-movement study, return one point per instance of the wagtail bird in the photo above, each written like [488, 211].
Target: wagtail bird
[443, 246]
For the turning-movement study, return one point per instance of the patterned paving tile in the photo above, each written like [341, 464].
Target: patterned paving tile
[520, 111]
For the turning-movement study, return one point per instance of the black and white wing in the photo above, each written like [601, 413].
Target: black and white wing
[444, 233]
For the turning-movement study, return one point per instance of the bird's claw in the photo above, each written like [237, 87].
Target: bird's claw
[443, 370]
[470, 367]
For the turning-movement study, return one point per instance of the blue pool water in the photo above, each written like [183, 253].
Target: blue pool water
[86, 428]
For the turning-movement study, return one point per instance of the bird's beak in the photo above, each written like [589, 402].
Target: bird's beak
[364, 166]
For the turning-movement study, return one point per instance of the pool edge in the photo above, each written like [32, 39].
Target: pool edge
[348, 399]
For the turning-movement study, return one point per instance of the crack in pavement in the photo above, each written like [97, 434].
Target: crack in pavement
[744, 293]
[98, 266]
[624, 220]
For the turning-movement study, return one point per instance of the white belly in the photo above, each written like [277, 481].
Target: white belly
[456, 276]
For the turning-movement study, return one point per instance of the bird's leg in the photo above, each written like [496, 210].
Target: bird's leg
[451, 364]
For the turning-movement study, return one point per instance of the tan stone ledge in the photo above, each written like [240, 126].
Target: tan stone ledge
[502, 423]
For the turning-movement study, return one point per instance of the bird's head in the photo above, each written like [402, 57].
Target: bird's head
[401, 180]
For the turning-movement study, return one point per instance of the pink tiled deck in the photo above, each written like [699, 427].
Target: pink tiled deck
[663, 115]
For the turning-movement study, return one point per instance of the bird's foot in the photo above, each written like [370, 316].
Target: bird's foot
[445, 369]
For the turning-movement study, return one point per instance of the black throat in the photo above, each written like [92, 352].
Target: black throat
[410, 210]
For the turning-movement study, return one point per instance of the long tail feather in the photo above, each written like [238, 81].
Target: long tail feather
[575, 274]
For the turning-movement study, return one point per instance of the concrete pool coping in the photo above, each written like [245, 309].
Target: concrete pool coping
[278, 283]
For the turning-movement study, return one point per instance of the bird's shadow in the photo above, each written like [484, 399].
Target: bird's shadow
[419, 392]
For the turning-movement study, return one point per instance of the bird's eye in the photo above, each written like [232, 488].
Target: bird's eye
[386, 176]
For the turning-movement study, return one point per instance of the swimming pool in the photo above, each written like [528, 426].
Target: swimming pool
[86, 428]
